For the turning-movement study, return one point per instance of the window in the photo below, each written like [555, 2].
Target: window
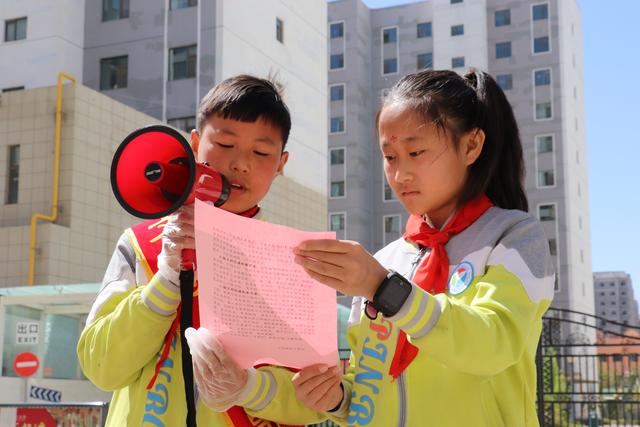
[546, 178]
[337, 189]
[392, 224]
[182, 62]
[388, 195]
[457, 30]
[186, 124]
[113, 73]
[389, 35]
[544, 144]
[390, 66]
[336, 92]
[503, 17]
[182, 4]
[13, 175]
[547, 212]
[115, 9]
[540, 11]
[336, 222]
[15, 29]
[542, 77]
[424, 30]
[391, 228]
[457, 62]
[553, 247]
[337, 124]
[337, 156]
[503, 50]
[543, 110]
[541, 44]
[425, 61]
[337, 61]
[505, 81]
[12, 89]
[336, 30]
[279, 30]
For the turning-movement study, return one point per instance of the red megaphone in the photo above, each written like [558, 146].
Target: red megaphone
[154, 172]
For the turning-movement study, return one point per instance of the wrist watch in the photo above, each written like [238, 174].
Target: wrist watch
[391, 294]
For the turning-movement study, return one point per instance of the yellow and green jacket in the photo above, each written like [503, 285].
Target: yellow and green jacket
[477, 342]
[124, 337]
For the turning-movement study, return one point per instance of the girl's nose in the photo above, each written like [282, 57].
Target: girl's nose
[403, 175]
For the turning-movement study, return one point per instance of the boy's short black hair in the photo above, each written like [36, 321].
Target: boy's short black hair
[246, 98]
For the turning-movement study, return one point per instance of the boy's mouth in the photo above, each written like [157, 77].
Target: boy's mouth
[238, 188]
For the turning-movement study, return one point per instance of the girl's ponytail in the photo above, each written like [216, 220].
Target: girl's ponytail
[499, 171]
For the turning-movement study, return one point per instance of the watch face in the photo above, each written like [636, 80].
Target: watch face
[394, 294]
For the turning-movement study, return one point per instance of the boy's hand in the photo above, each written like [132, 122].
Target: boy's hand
[318, 387]
[342, 265]
[178, 234]
[220, 380]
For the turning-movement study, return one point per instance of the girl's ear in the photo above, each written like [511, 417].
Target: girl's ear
[472, 144]
[195, 141]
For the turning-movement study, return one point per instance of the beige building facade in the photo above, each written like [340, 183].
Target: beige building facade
[78, 245]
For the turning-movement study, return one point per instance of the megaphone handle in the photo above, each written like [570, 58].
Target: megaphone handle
[186, 320]
[188, 259]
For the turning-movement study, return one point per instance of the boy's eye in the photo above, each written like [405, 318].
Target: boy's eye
[416, 153]
[224, 145]
[389, 158]
[259, 153]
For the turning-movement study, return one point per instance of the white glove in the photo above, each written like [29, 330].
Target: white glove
[221, 382]
[178, 234]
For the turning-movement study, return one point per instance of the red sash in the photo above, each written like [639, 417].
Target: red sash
[147, 242]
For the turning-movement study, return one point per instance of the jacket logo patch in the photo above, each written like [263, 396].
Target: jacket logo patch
[461, 278]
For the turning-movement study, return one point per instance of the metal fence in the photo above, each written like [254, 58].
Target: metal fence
[588, 371]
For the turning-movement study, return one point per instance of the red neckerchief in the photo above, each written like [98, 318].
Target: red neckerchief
[432, 274]
[196, 312]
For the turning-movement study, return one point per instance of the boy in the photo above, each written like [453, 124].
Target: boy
[130, 343]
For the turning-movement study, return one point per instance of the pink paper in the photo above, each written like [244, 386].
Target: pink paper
[261, 305]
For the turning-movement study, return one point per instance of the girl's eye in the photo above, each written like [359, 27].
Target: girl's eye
[389, 158]
[261, 154]
[416, 153]
[224, 145]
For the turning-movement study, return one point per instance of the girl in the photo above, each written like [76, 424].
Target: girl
[446, 320]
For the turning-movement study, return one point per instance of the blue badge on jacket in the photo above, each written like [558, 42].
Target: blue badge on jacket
[461, 278]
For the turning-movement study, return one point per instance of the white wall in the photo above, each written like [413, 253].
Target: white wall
[472, 45]
[55, 34]
[246, 43]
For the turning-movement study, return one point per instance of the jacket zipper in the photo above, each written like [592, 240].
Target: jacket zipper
[402, 387]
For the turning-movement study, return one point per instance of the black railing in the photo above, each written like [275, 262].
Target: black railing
[586, 378]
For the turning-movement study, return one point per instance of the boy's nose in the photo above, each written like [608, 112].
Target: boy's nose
[239, 164]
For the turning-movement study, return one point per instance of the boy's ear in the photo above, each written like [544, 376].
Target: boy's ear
[472, 145]
[283, 161]
[195, 141]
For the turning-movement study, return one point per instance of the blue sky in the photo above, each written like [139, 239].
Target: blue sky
[612, 95]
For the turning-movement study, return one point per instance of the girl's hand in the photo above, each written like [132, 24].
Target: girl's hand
[318, 387]
[342, 265]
